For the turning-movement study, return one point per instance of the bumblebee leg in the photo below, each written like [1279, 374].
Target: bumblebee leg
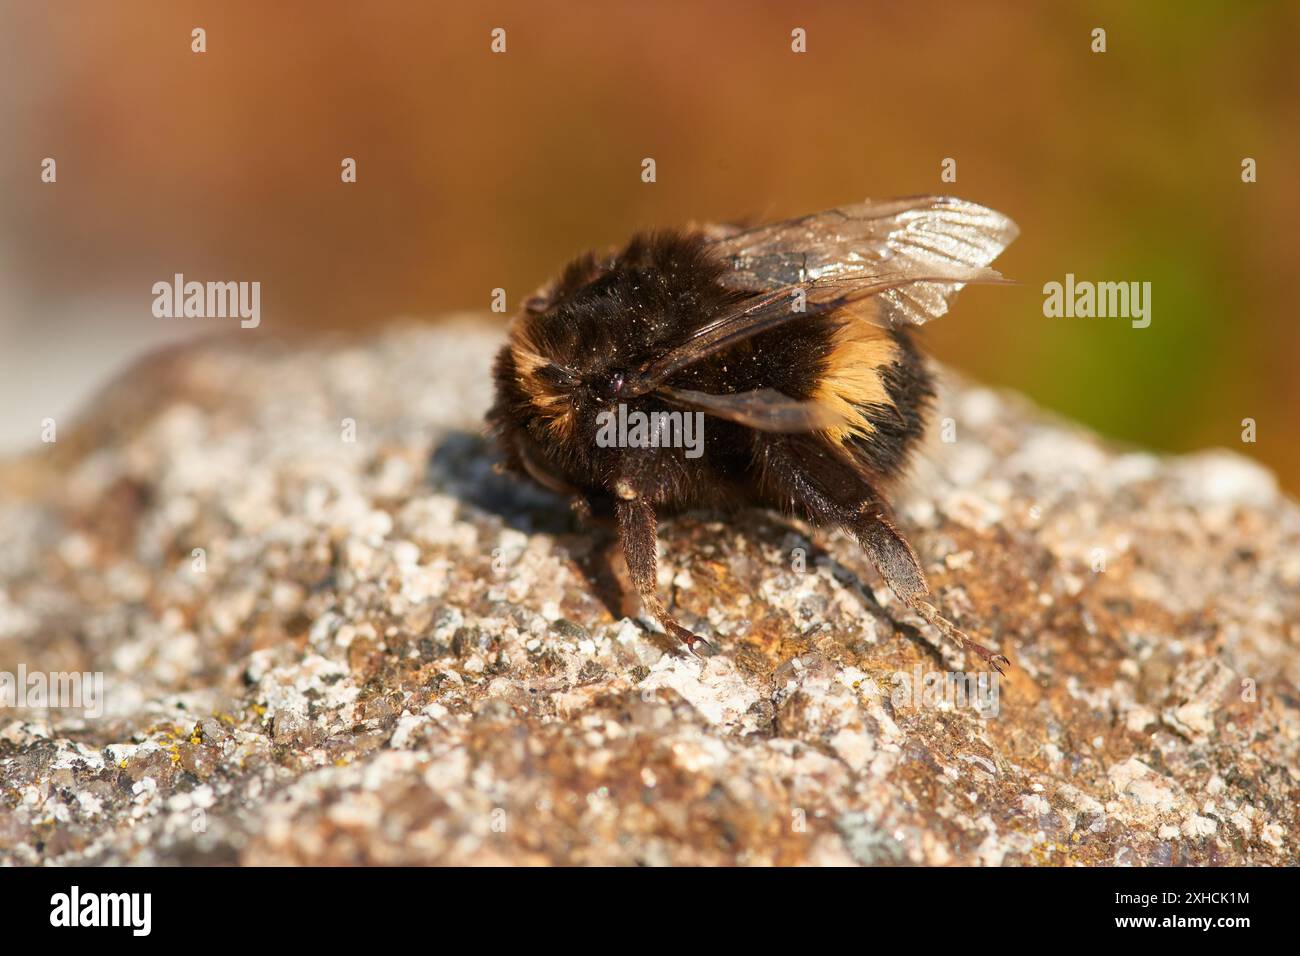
[638, 528]
[898, 565]
[813, 481]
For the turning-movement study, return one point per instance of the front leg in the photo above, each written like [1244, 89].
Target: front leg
[637, 527]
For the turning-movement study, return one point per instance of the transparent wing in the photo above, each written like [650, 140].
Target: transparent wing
[764, 409]
[892, 262]
[761, 313]
[915, 254]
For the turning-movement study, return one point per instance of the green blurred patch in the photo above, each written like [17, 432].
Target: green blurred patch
[1152, 385]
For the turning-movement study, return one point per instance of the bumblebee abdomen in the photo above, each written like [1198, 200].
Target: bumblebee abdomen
[895, 415]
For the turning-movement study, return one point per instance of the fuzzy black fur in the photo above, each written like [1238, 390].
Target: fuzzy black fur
[604, 320]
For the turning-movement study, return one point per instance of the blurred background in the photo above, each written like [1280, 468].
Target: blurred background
[478, 170]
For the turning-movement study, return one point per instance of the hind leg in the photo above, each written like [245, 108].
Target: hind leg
[807, 478]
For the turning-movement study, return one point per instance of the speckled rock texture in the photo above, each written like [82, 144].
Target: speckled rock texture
[329, 633]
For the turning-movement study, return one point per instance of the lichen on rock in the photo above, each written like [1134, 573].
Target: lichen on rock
[330, 633]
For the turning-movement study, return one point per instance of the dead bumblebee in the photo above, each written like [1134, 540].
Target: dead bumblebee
[794, 339]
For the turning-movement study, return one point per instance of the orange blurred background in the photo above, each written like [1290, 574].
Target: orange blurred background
[478, 170]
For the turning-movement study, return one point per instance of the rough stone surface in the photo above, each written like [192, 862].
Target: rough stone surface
[389, 654]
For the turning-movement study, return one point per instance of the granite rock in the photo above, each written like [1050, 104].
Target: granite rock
[329, 633]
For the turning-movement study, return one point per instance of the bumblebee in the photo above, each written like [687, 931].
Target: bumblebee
[794, 340]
